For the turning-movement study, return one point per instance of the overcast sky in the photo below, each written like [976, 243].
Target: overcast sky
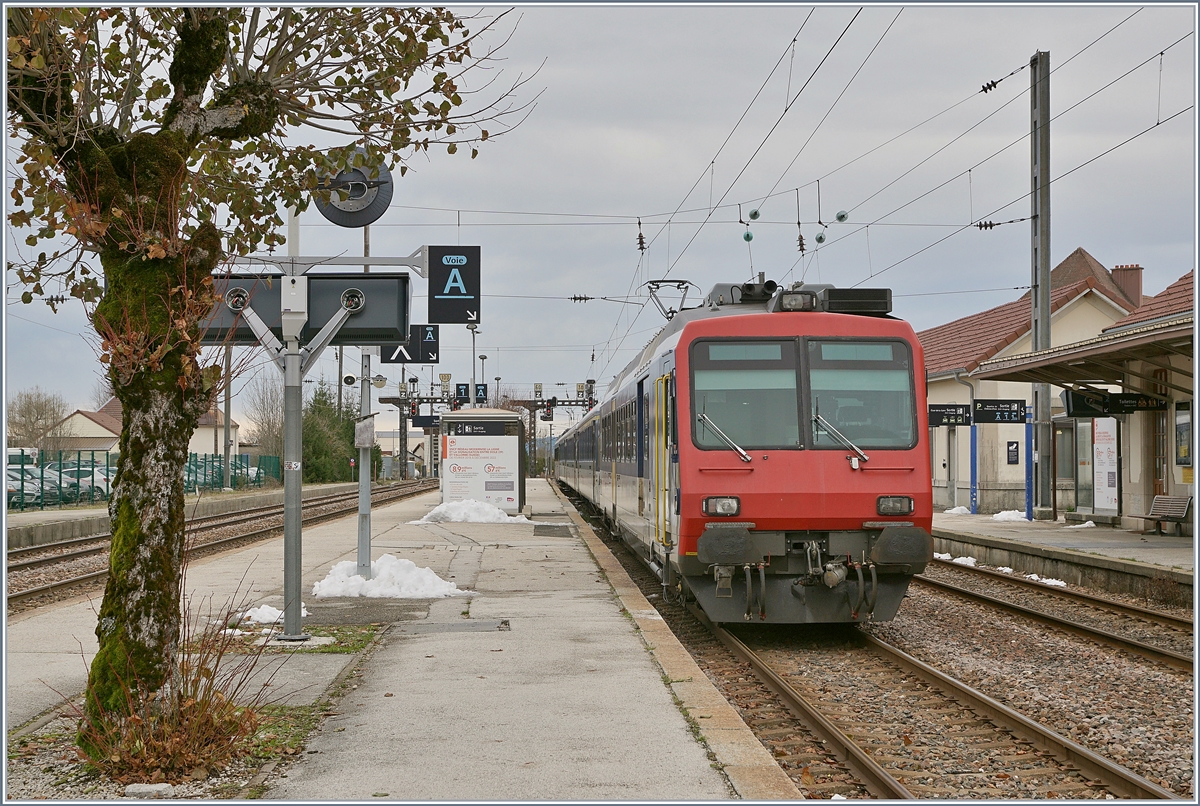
[641, 115]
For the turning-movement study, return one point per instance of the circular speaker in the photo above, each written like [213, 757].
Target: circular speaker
[353, 300]
[236, 298]
[368, 194]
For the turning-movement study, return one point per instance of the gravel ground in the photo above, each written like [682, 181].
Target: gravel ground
[1137, 712]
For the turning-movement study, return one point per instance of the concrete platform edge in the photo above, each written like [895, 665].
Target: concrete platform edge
[750, 769]
[1130, 568]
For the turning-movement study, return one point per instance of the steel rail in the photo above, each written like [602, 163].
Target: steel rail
[865, 768]
[1112, 776]
[195, 525]
[191, 523]
[97, 575]
[1167, 656]
[1165, 619]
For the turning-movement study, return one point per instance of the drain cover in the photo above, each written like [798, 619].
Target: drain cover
[551, 530]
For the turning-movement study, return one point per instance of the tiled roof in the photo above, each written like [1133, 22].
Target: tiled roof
[966, 342]
[109, 417]
[1177, 298]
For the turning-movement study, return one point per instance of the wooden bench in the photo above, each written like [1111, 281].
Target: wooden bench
[1174, 508]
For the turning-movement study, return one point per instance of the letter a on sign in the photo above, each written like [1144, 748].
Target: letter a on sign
[453, 285]
[455, 281]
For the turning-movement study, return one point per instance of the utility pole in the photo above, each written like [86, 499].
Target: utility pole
[1039, 103]
[228, 482]
[363, 567]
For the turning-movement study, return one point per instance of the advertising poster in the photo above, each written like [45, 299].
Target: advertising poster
[1104, 464]
[481, 468]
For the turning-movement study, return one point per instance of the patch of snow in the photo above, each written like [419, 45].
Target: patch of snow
[1058, 583]
[391, 578]
[469, 511]
[265, 614]
[1085, 525]
[1004, 569]
[959, 511]
[967, 561]
[1010, 515]
[942, 556]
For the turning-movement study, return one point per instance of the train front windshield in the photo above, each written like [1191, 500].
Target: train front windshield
[751, 391]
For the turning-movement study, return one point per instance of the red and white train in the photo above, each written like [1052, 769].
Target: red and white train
[767, 455]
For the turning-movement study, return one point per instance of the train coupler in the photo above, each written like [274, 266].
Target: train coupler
[723, 574]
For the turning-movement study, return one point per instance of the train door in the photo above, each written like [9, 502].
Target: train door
[664, 453]
[640, 446]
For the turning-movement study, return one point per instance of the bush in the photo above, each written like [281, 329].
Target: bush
[203, 718]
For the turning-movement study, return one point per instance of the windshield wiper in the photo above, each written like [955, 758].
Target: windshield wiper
[842, 438]
[704, 418]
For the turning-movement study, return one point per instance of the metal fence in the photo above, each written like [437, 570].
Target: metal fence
[40, 479]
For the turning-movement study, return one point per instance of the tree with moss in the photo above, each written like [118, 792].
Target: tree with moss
[155, 142]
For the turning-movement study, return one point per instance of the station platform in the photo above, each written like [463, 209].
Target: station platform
[555, 680]
[1103, 557]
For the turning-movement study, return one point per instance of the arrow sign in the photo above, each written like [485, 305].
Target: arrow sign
[421, 348]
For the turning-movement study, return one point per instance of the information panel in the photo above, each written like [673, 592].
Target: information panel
[1104, 463]
[481, 468]
[421, 347]
[999, 411]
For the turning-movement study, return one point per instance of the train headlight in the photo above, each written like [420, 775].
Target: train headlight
[722, 505]
[798, 301]
[894, 505]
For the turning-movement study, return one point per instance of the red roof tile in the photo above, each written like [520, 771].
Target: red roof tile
[971, 340]
[1177, 298]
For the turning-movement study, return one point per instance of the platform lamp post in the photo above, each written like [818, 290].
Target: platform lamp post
[414, 393]
[474, 331]
[497, 393]
[483, 372]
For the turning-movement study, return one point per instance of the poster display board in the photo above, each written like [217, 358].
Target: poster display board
[482, 458]
[1104, 463]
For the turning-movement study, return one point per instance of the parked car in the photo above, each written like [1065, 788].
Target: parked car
[20, 492]
[87, 479]
[46, 483]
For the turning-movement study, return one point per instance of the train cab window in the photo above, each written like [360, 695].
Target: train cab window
[747, 389]
[864, 389]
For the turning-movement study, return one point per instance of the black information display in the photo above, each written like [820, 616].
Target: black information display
[422, 347]
[453, 284]
[1080, 405]
[949, 414]
[999, 411]
[1014, 453]
[462, 392]
[484, 429]
[425, 421]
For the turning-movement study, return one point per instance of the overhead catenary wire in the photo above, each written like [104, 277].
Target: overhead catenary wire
[1021, 139]
[1025, 196]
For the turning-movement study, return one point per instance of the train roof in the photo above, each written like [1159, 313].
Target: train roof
[731, 299]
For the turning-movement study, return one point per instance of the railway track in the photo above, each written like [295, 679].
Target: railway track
[1149, 633]
[1001, 753]
[320, 509]
[908, 730]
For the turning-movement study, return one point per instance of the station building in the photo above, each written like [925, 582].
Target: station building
[1147, 354]
[100, 431]
[1086, 299]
